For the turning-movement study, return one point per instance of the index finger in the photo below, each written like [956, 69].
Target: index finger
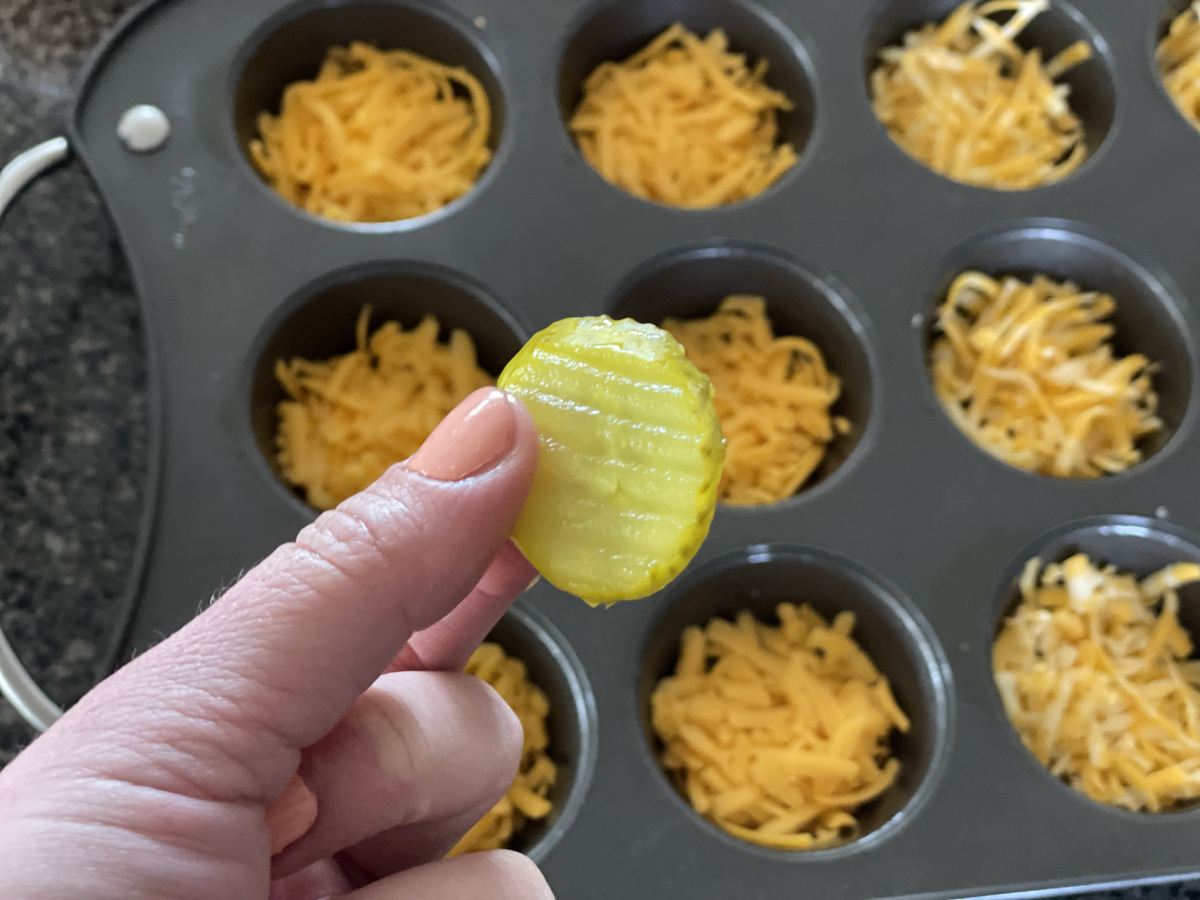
[447, 645]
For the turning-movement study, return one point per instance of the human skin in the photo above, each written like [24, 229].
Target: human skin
[311, 734]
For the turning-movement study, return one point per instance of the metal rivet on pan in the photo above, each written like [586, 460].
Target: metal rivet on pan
[480, 22]
[917, 320]
[1162, 512]
[144, 128]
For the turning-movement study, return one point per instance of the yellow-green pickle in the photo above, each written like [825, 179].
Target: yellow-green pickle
[631, 457]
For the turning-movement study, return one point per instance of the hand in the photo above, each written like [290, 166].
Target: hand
[311, 734]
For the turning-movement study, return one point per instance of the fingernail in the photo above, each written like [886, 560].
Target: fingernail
[291, 815]
[476, 435]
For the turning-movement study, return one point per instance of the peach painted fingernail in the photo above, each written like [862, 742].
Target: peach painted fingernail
[291, 815]
[476, 435]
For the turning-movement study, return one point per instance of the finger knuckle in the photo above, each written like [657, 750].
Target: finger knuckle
[361, 539]
[507, 733]
[388, 736]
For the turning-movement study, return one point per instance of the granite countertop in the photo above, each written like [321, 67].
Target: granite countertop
[73, 410]
[73, 407]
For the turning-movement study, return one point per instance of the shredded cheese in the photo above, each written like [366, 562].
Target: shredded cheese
[1094, 673]
[683, 122]
[377, 136]
[777, 734]
[965, 100]
[772, 394]
[351, 417]
[1178, 57]
[1026, 370]
[528, 796]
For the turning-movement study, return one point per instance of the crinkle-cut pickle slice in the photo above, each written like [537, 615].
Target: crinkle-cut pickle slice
[631, 456]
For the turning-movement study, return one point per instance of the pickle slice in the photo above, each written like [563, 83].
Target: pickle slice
[631, 456]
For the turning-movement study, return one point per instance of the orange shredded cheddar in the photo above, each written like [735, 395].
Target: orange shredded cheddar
[1094, 673]
[351, 417]
[377, 136]
[777, 734]
[965, 100]
[684, 122]
[1026, 370]
[1178, 56]
[528, 796]
[772, 394]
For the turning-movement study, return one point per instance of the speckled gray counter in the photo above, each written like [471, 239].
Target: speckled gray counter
[73, 445]
[72, 397]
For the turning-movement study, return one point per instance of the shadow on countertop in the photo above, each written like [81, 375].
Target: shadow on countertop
[73, 407]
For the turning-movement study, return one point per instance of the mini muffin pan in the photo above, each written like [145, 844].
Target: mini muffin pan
[908, 524]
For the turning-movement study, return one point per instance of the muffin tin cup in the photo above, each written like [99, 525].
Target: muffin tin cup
[690, 283]
[291, 46]
[1170, 11]
[889, 630]
[1134, 544]
[1092, 95]
[320, 323]
[911, 525]
[612, 30]
[552, 665]
[1149, 317]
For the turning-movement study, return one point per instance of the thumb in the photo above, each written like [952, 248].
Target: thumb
[228, 702]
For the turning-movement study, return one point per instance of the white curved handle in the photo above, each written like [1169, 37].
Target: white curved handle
[15, 683]
[22, 691]
[17, 175]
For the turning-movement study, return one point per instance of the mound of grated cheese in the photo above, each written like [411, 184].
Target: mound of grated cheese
[777, 734]
[377, 136]
[1026, 370]
[683, 122]
[1178, 56]
[349, 418]
[772, 394]
[964, 99]
[528, 796]
[1094, 673]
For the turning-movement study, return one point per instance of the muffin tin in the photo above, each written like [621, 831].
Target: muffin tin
[908, 524]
